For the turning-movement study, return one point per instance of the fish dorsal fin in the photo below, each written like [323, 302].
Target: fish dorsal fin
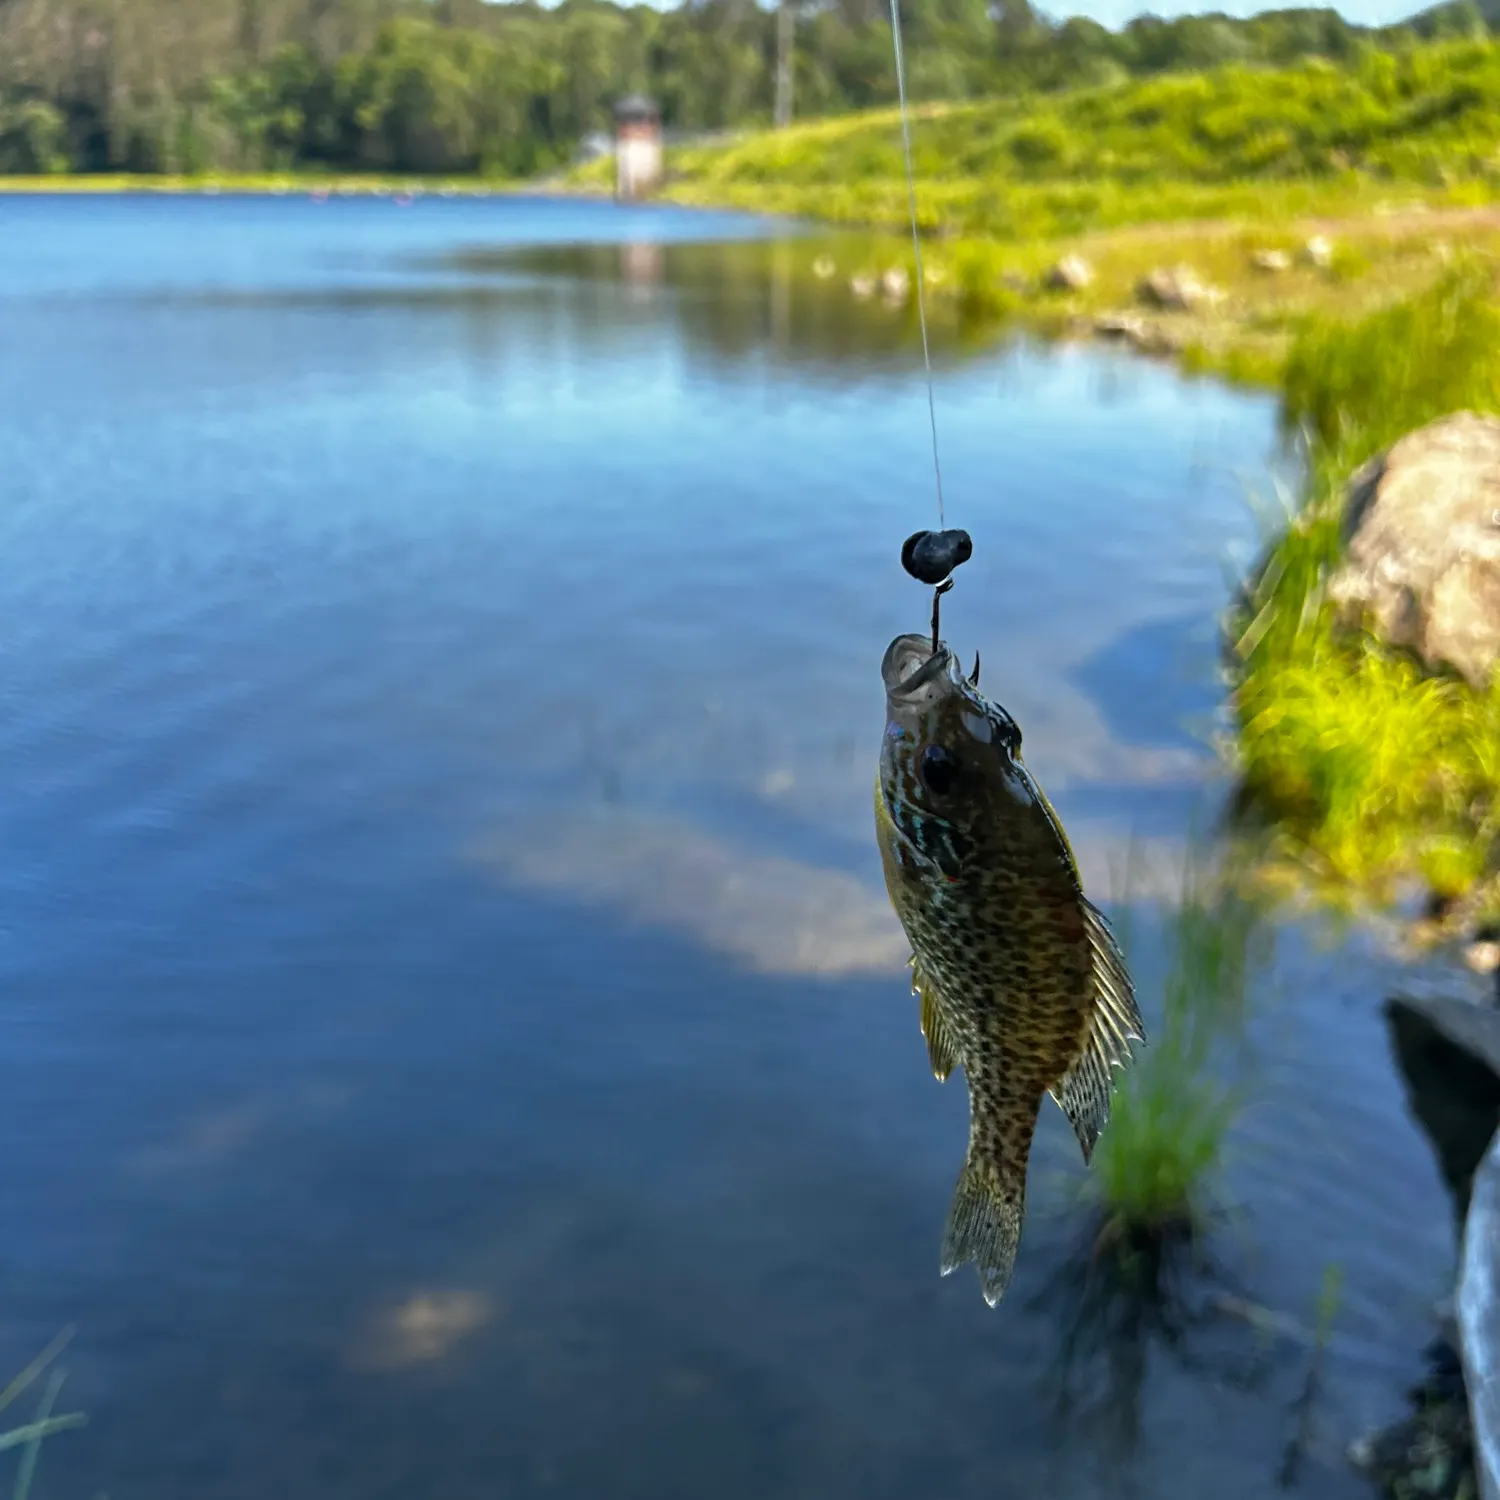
[1115, 1021]
[934, 1027]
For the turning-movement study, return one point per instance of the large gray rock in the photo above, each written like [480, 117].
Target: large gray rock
[1479, 1321]
[1422, 537]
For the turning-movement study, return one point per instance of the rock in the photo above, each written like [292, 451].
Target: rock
[1178, 290]
[862, 286]
[1319, 252]
[1448, 1051]
[1137, 331]
[823, 267]
[1479, 1320]
[1071, 274]
[1157, 340]
[1425, 1456]
[1422, 534]
[1271, 260]
[895, 284]
[1121, 326]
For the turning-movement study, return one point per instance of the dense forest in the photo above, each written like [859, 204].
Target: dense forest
[469, 85]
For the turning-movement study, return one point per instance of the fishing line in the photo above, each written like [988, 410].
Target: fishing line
[916, 245]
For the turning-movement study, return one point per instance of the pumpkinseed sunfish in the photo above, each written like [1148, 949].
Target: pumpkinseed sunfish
[1021, 982]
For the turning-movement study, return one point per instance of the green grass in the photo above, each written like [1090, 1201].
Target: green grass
[1232, 142]
[1369, 773]
[1156, 1166]
[1393, 156]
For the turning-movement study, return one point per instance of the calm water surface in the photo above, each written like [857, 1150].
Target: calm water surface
[455, 1042]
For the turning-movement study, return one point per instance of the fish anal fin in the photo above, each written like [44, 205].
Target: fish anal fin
[1083, 1092]
[984, 1224]
[940, 1051]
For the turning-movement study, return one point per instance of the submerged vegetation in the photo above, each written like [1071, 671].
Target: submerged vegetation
[1154, 1172]
[1373, 772]
[29, 1437]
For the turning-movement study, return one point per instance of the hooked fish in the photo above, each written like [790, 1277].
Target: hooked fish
[1021, 982]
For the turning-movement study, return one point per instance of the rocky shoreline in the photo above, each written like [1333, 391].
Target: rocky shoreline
[1448, 1448]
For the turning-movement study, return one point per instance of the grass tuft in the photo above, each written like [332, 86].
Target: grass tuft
[1154, 1170]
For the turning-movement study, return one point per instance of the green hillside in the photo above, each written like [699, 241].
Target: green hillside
[1310, 137]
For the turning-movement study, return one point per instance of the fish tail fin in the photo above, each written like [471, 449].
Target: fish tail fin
[984, 1223]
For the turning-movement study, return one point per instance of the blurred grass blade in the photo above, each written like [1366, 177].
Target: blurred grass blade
[39, 1430]
[35, 1368]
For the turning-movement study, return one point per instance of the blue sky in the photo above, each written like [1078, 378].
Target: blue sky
[1117, 12]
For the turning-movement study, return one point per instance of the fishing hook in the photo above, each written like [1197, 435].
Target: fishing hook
[937, 603]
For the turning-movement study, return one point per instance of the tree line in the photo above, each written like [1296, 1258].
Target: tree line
[456, 86]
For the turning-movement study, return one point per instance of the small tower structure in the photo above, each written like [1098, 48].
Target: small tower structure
[638, 157]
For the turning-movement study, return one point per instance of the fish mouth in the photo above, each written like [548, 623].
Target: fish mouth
[911, 665]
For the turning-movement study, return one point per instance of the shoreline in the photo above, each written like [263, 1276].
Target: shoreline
[1239, 329]
[1250, 283]
[262, 184]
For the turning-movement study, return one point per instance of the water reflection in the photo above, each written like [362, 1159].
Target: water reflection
[641, 265]
[735, 299]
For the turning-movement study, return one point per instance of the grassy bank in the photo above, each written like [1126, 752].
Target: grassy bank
[1392, 158]
[1373, 774]
[1224, 142]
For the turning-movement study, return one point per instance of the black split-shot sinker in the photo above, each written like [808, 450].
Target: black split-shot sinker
[930, 557]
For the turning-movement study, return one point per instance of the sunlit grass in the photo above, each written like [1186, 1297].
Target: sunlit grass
[1259, 143]
[1370, 772]
[1204, 168]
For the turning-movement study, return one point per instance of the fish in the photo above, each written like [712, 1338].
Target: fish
[1021, 981]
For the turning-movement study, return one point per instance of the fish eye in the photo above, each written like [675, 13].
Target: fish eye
[938, 768]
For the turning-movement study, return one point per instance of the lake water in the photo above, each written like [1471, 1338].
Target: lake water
[455, 1042]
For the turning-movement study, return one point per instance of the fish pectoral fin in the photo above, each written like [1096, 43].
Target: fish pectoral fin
[1113, 989]
[940, 1051]
[1083, 1095]
[1083, 1092]
[984, 1224]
